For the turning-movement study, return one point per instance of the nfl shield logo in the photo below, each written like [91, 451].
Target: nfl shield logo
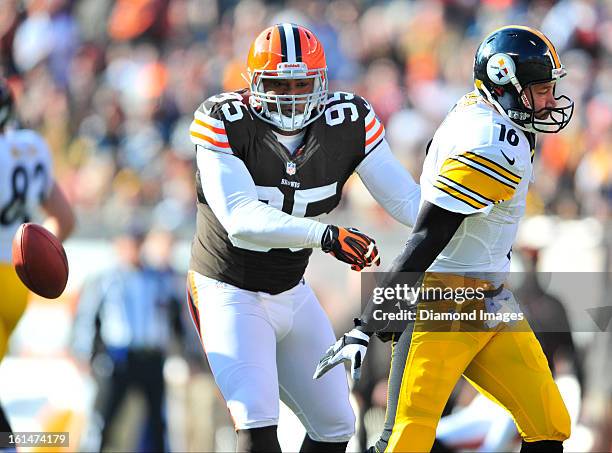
[291, 168]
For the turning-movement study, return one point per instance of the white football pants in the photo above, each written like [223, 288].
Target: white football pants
[263, 347]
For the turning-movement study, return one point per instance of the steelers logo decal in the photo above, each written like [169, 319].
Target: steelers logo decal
[500, 68]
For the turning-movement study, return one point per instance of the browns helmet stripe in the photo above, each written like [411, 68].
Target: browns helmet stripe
[290, 58]
[297, 43]
[283, 41]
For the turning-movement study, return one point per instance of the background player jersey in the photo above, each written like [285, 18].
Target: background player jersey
[307, 183]
[481, 165]
[25, 181]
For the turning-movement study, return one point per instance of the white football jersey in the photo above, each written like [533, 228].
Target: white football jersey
[478, 164]
[26, 180]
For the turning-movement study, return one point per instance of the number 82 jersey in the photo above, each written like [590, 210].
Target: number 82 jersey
[26, 180]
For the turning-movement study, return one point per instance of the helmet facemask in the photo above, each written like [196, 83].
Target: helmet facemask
[557, 117]
[272, 108]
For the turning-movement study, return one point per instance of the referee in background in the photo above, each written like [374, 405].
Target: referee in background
[124, 325]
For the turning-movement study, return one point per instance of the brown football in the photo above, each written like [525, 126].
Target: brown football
[40, 260]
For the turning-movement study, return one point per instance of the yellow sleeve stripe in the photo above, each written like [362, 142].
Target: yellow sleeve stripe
[480, 183]
[469, 166]
[465, 189]
[493, 166]
[459, 196]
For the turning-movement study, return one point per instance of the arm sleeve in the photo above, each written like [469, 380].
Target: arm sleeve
[433, 230]
[390, 184]
[472, 182]
[231, 194]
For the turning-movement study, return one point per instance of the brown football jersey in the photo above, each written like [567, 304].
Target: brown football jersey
[307, 183]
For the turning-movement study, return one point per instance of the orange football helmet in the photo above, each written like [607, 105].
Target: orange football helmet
[287, 51]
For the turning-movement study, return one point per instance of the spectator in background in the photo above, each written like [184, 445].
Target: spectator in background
[112, 85]
[125, 318]
[548, 319]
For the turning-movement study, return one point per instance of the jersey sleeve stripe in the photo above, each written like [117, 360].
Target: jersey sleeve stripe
[216, 130]
[370, 125]
[209, 120]
[199, 129]
[376, 134]
[371, 148]
[486, 171]
[465, 177]
[465, 189]
[207, 142]
[459, 196]
[368, 118]
[493, 166]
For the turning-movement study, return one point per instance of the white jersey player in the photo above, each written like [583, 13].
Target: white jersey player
[26, 183]
[474, 188]
[26, 180]
[498, 157]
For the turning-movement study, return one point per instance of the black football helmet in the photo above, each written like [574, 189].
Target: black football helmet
[507, 63]
[6, 103]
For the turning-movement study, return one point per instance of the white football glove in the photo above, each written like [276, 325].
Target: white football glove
[351, 347]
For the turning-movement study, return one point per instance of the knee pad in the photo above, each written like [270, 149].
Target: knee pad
[335, 425]
[253, 403]
[542, 446]
[559, 423]
[258, 440]
[560, 417]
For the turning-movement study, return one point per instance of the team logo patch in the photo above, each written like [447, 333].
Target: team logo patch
[500, 68]
[291, 168]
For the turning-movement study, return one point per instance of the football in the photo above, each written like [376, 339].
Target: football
[40, 260]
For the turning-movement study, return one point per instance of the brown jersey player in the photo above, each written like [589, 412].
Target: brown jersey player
[271, 160]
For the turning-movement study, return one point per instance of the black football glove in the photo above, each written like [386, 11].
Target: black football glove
[350, 246]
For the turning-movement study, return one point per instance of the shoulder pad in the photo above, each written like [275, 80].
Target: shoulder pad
[360, 112]
[35, 143]
[234, 100]
[219, 122]
[345, 97]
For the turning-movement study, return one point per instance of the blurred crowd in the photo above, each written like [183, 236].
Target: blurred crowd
[113, 86]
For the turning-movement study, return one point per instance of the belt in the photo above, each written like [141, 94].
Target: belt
[494, 292]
